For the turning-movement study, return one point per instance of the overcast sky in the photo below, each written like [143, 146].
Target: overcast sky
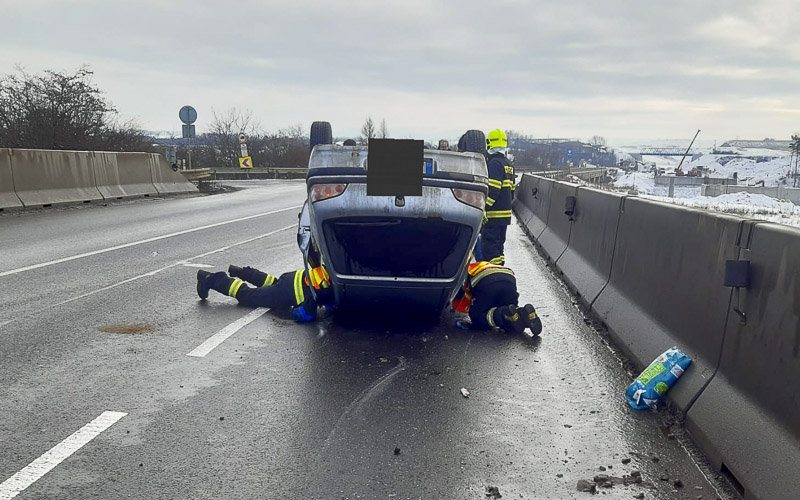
[627, 70]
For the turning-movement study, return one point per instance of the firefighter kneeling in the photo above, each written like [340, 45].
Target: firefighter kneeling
[290, 290]
[490, 297]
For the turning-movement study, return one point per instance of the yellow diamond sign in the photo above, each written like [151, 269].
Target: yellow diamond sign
[245, 162]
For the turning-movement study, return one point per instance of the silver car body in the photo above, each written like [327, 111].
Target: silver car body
[387, 251]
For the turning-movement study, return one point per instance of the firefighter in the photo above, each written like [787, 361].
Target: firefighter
[498, 201]
[490, 297]
[290, 290]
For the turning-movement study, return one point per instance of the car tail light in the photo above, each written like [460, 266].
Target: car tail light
[472, 198]
[326, 191]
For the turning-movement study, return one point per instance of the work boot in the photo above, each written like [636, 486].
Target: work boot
[202, 284]
[251, 275]
[511, 319]
[531, 319]
[216, 281]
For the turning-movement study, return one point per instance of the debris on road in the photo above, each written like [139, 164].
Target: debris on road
[678, 483]
[639, 495]
[626, 461]
[464, 392]
[397, 451]
[648, 388]
[493, 492]
[587, 486]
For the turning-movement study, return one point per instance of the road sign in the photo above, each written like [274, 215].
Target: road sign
[569, 153]
[242, 138]
[188, 115]
[188, 131]
[245, 162]
[243, 148]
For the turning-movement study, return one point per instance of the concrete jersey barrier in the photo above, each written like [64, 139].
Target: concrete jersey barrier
[749, 416]
[667, 287]
[539, 199]
[8, 198]
[120, 175]
[522, 199]
[586, 264]
[555, 236]
[45, 177]
[665, 269]
[165, 180]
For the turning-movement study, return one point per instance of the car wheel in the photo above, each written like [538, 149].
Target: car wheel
[473, 141]
[320, 134]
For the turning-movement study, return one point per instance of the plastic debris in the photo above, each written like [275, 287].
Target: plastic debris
[656, 380]
[464, 392]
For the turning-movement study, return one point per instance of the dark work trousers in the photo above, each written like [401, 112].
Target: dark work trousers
[278, 296]
[493, 239]
[494, 291]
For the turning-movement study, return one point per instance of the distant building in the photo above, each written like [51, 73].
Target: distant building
[559, 153]
[764, 144]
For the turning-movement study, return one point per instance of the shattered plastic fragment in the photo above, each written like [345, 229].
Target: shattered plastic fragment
[464, 392]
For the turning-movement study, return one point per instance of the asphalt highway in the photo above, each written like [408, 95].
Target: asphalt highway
[117, 382]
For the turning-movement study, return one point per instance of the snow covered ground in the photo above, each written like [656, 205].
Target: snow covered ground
[756, 206]
[750, 165]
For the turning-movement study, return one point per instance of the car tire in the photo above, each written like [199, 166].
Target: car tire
[473, 141]
[321, 133]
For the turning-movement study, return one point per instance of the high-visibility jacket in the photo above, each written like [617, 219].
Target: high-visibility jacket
[317, 277]
[501, 190]
[475, 274]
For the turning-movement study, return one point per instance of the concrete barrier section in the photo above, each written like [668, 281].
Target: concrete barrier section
[748, 419]
[8, 198]
[586, 263]
[44, 177]
[555, 237]
[540, 189]
[165, 180]
[120, 175]
[523, 199]
[667, 287]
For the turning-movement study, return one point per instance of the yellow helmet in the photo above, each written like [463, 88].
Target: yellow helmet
[496, 139]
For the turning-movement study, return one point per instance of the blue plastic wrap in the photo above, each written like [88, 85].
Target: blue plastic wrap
[657, 379]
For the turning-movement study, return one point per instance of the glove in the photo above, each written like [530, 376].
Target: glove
[300, 315]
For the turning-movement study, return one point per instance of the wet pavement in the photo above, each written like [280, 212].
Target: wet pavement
[329, 409]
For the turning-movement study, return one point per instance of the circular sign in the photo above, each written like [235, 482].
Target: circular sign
[188, 115]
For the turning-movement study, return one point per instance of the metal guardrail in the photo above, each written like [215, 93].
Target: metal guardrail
[196, 174]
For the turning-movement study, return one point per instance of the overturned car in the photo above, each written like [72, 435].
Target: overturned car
[392, 251]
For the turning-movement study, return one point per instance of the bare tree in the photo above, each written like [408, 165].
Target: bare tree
[367, 130]
[384, 132]
[598, 141]
[62, 111]
[223, 134]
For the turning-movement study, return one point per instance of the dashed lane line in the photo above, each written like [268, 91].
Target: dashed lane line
[154, 272]
[34, 471]
[141, 242]
[212, 342]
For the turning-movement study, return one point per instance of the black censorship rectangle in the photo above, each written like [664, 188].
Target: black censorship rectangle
[394, 167]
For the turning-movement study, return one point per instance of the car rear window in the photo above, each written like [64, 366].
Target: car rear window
[397, 247]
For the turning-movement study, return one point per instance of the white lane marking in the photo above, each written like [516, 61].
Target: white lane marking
[219, 337]
[141, 242]
[34, 471]
[189, 264]
[152, 273]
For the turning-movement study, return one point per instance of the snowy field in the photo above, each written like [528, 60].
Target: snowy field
[751, 165]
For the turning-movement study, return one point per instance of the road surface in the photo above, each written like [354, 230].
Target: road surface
[100, 397]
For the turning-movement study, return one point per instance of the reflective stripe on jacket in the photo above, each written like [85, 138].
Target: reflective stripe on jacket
[476, 272]
[501, 190]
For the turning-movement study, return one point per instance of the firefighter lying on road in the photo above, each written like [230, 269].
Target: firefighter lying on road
[490, 297]
[290, 290]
